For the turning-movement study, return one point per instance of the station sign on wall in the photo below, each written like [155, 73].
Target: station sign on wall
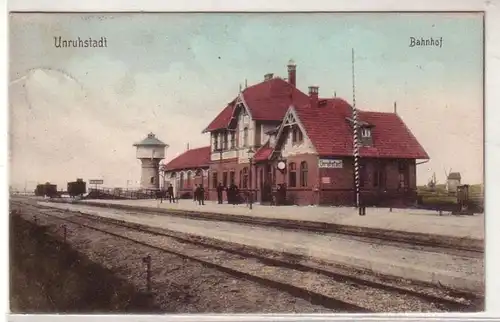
[330, 164]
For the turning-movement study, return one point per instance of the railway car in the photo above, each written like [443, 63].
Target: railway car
[77, 188]
[46, 189]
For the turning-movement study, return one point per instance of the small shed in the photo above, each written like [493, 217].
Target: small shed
[453, 181]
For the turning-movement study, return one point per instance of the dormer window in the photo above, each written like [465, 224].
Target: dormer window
[366, 132]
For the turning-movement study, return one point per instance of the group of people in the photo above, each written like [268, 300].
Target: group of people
[199, 194]
[232, 194]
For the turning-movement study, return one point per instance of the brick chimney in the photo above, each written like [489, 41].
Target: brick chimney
[292, 72]
[268, 76]
[313, 96]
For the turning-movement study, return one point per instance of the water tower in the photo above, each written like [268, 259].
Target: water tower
[150, 151]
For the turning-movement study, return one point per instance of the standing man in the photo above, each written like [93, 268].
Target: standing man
[170, 192]
[201, 195]
[220, 189]
[195, 193]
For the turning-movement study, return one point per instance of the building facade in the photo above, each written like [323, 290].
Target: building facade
[274, 134]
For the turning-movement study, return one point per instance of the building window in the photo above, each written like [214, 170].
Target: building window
[379, 177]
[181, 181]
[225, 141]
[214, 180]
[152, 180]
[366, 132]
[216, 142]
[224, 179]
[189, 177]
[403, 174]
[232, 177]
[245, 178]
[199, 173]
[245, 137]
[362, 174]
[297, 136]
[292, 175]
[233, 140]
[303, 174]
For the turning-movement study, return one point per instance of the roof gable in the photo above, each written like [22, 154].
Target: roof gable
[270, 99]
[266, 101]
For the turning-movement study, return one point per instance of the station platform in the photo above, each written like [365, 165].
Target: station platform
[404, 220]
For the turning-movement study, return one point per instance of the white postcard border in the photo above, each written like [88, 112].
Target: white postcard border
[492, 132]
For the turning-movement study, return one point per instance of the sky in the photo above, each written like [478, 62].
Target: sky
[75, 112]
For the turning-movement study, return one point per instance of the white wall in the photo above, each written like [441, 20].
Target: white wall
[289, 148]
[215, 156]
[265, 128]
[146, 152]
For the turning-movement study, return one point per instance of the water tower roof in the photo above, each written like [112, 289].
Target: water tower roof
[151, 140]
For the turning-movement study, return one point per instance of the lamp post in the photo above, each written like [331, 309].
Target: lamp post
[163, 170]
[251, 154]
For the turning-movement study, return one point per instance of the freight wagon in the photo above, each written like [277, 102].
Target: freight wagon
[77, 188]
[46, 189]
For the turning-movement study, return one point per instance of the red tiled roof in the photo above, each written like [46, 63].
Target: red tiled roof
[263, 153]
[331, 134]
[267, 101]
[193, 158]
[222, 119]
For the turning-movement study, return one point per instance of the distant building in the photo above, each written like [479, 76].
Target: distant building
[304, 142]
[453, 181]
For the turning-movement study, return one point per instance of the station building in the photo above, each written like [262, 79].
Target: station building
[272, 133]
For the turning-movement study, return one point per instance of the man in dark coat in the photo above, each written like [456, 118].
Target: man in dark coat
[195, 193]
[220, 189]
[229, 194]
[234, 194]
[201, 195]
[170, 192]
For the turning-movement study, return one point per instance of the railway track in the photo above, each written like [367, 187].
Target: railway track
[418, 241]
[315, 284]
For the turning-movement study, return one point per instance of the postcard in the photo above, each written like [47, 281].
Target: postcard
[246, 162]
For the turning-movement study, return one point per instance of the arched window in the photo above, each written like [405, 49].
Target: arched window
[245, 137]
[181, 181]
[189, 179]
[172, 175]
[152, 180]
[199, 173]
[303, 174]
[292, 175]
[245, 178]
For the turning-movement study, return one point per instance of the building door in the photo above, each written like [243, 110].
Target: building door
[266, 184]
